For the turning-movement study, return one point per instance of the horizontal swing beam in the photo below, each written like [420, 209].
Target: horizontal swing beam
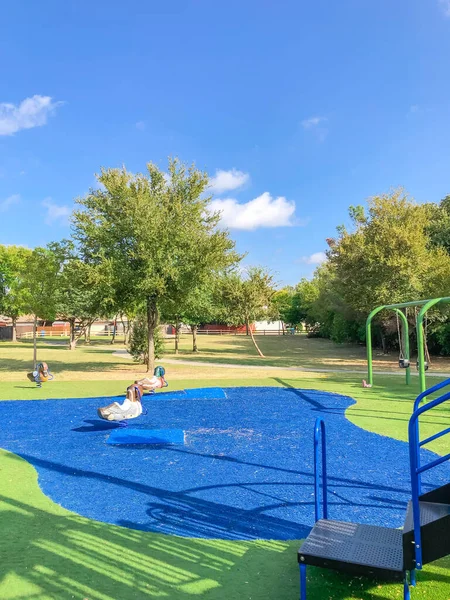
[414, 303]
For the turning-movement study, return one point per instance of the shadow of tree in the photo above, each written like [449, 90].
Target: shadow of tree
[47, 556]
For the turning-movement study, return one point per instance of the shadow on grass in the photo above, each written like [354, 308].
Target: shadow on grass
[56, 366]
[67, 557]
[52, 555]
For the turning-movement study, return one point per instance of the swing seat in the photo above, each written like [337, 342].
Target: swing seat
[425, 365]
[404, 363]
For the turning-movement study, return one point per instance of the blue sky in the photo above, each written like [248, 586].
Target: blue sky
[296, 109]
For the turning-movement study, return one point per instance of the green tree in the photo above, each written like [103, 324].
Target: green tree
[79, 294]
[439, 226]
[40, 285]
[246, 298]
[193, 309]
[13, 265]
[138, 342]
[199, 309]
[155, 233]
[283, 303]
[387, 258]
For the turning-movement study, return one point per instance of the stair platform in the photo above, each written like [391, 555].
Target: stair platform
[429, 513]
[435, 532]
[358, 549]
[440, 495]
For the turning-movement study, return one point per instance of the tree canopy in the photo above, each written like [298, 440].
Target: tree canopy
[246, 297]
[396, 251]
[154, 234]
[13, 294]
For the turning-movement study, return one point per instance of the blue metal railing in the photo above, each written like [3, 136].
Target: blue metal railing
[414, 456]
[319, 431]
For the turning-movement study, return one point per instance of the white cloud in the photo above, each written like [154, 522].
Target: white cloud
[445, 4]
[225, 181]
[316, 126]
[140, 125]
[31, 112]
[314, 259]
[5, 204]
[263, 211]
[56, 212]
[312, 122]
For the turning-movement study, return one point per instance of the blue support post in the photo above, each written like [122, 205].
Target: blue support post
[302, 582]
[414, 457]
[320, 429]
[406, 595]
[412, 577]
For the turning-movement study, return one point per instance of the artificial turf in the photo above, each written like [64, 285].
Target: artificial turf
[49, 553]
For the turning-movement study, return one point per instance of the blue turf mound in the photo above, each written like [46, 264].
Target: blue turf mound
[207, 393]
[198, 394]
[146, 436]
[244, 472]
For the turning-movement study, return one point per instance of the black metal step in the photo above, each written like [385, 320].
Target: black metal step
[434, 532]
[440, 494]
[359, 549]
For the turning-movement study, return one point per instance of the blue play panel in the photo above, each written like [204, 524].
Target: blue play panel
[127, 436]
[245, 470]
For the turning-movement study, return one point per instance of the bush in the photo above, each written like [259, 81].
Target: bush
[439, 340]
[346, 331]
[138, 346]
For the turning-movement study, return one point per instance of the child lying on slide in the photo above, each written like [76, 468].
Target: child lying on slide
[132, 405]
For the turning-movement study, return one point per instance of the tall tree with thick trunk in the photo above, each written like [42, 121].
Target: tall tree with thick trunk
[154, 234]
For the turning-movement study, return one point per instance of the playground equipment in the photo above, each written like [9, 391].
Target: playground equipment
[383, 552]
[404, 359]
[146, 436]
[40, 375]
[132, 405]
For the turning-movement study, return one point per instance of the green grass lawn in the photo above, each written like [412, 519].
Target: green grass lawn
[289, 351]
[48, 553]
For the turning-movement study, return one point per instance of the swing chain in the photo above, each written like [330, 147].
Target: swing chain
[400, 344]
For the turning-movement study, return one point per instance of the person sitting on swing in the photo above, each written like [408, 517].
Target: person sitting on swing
[132, 405]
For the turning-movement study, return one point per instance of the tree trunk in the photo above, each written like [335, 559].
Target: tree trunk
[383, 342]
[34, 343]
[247, 324]
[177, 334]
[194, 329]
[246, 328]
[152, 323]
[14, 330]
[72, 339]
[125, 332]
[113, 339]
[87, 334]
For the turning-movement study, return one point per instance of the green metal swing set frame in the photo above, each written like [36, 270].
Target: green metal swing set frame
[426, 305]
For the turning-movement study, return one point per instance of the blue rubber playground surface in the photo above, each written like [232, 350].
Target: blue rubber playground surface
[244, 472]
